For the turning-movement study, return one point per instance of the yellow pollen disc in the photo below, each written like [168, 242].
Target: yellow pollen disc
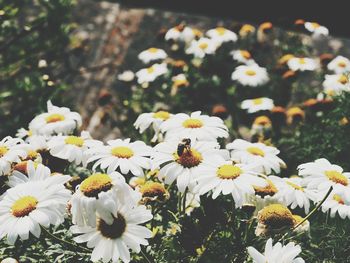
[192, 123]
[268, 190]
[163, 115]
[341, 64]
[228, 171]
[30, 133]
[338, 199]
[247, 28]
[337, 177]
[250, 72]
[276, 216]
[3, 150]
[302, 61]
[95, 184]
[54, 118]
[256, 151]
[315, 25]
[295, 186]
[122, 152]
[343, 79]
[298, 219]
[203, 46]
[294, 111]
[74, 140]
[245, 54]
[220, 30]
[150, 70]
[23, 206]
[284, 59]
[153, 50]
[258, 101]
[152, 189]
[32, 155]
[263, 121]
[189, 158]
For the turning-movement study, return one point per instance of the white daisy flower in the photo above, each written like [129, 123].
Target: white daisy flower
[153, 118]
[151, 54]
[221, 176]
[37, 172]
[250, 75]
[336, 84]
[128, 156]
[126, 76]
[321, 175]
[72, 148]
[203, 46]
[293, 193]
[258, 104]
[183, 168]
[264, 157]
[55, 121]
[27, 206]
[221, 35]
[277, 253]
[339, 65]
[316, 29]
[242, 56]
[151, 73]
[302, 64]
[11, 151]
[174, 33]
[193, 200]
[99, 194]
[112, 241]
[337, 202]
[189, 34]
[38, 143]
[196, 126]
[23, 133]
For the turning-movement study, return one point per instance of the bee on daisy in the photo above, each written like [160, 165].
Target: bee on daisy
[257, 104]
[57, 120]
[250, 75]
[196, 126]
[152, 54]
[264, 157]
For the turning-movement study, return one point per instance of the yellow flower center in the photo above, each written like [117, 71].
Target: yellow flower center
[338, 199]
[150, 70]
[343, 79]
[250, 72]
[302, 61]
[342, 64]
[337, 177]
[295, 186]
[284, 59]
[32, 155]
[247, 28]
[228, 171]
[153, 50]
[258, 101]
[268, 190]
[315, 25]
[256, 151]
[122, 152]
[245, 54]
[276, 216]
[189, 158]
[263, 121]
[54, 118]
[163, 115]
[220, 30]
[113, 231]
[295, 111]
[3, 150]
[203, 46]
[23, 206]
[192, 123]
[74, 140]
[95, 184]
[153, 189]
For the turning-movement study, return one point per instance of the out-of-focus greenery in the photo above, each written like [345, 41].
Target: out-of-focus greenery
[30, 32]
